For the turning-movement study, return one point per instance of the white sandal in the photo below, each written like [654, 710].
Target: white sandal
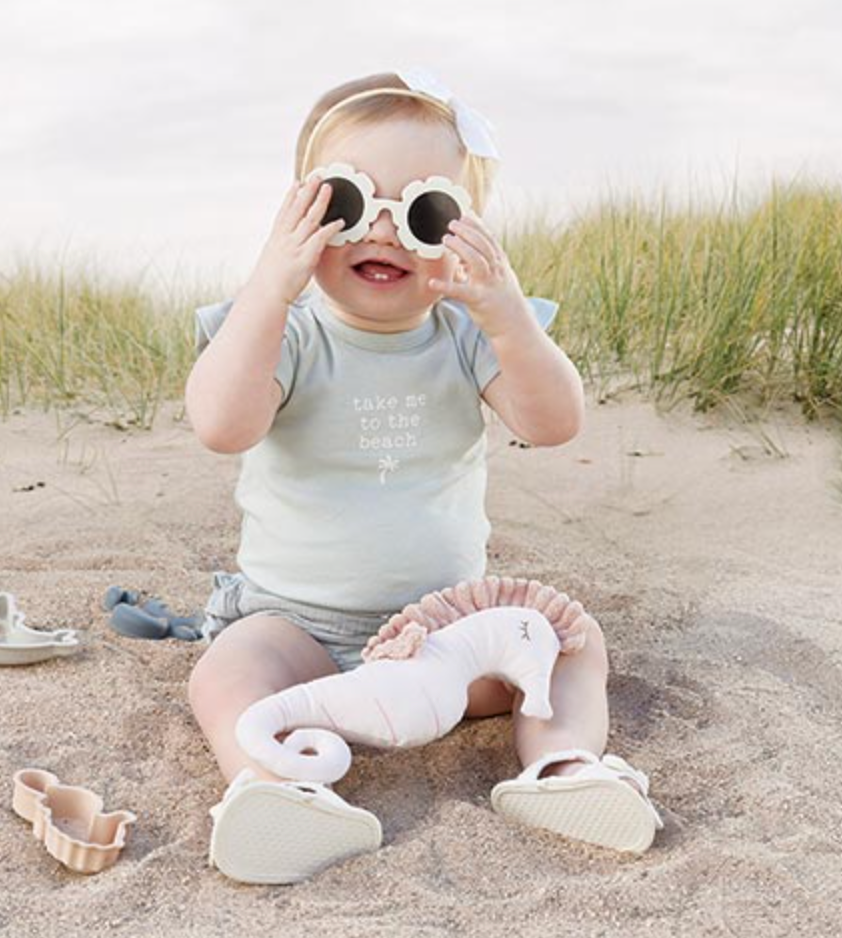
[285, 832]
[594, 804]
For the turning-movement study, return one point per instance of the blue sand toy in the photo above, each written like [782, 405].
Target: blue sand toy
[151, 619]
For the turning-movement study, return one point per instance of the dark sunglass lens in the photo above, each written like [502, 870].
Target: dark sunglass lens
[430, 214]
[346, 202]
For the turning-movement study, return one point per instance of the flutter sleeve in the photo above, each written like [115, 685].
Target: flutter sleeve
[208, 320]
[482, 360]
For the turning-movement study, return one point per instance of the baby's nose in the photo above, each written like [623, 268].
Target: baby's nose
[383, 227]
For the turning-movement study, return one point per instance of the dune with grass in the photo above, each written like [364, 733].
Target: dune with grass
[698, 517]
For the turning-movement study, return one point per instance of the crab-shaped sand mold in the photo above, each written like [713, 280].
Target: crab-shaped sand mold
[70, 821]
[21, 645]
[404, 633]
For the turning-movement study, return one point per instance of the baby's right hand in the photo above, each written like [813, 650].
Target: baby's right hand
[296, 241]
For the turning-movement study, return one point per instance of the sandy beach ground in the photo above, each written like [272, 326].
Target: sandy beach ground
[710, 552]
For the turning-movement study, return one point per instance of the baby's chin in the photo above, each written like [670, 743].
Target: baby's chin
[379, 310]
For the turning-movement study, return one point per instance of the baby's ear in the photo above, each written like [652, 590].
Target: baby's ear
[404, 645]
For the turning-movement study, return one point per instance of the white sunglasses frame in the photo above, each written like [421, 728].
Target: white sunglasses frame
[399, 208]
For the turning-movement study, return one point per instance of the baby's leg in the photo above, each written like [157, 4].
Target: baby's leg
[601, 801]
[250, 659]
[580, 708]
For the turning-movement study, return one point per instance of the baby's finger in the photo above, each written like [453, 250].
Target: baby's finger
[310, 220]
[326, 232]
[480, 243]
[470, 257]
[306, 198]
[295, 204]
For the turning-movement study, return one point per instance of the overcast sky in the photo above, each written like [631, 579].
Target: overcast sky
[154, 134]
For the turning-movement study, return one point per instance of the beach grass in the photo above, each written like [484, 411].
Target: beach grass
[736, 300]
[729, 302]
[75, 338]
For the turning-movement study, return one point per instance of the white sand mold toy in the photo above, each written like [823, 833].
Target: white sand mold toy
[20, 645]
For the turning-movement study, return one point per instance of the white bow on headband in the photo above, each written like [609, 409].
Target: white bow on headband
[476, 131]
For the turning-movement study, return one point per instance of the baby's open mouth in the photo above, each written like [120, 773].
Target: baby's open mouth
[379, 272]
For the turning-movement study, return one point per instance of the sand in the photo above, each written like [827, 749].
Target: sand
[710, 551]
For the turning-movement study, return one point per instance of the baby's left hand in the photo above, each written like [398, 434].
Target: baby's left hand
[488, 286]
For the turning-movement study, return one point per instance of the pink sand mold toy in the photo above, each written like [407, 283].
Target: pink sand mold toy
[20, 645]
[70, 821]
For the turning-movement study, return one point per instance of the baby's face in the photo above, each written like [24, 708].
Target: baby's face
[393, 155]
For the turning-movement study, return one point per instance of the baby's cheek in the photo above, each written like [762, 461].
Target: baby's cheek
[443, 268]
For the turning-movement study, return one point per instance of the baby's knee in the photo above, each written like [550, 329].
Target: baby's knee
[204, 686]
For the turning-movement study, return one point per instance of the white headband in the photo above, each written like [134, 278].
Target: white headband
[475, 131]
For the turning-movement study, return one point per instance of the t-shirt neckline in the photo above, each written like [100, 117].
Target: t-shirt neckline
[373, 341]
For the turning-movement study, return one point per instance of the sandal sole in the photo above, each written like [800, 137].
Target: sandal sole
[277, 834]
[608, 814]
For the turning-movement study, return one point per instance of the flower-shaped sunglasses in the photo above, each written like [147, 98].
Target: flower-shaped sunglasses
[421, 215]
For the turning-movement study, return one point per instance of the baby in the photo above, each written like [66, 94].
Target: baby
[356, 406]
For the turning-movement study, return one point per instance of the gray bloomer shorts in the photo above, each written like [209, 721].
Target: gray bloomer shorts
[342, 634]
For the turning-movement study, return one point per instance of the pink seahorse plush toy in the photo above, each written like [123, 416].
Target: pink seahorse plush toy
[413, 686]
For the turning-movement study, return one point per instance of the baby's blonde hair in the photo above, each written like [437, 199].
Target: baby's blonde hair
[373, 109]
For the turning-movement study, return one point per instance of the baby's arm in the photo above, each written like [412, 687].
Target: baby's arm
[232, 395]
[538, 393]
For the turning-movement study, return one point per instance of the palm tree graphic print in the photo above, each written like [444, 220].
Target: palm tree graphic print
[387, 464]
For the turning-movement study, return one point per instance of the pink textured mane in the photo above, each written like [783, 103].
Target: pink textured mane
[405, 632]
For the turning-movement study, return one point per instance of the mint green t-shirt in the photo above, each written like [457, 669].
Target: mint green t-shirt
[369, 488]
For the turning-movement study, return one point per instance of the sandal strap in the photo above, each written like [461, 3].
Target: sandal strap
[247, 776]
[622, 768]
[608, 767]
[531, 772]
